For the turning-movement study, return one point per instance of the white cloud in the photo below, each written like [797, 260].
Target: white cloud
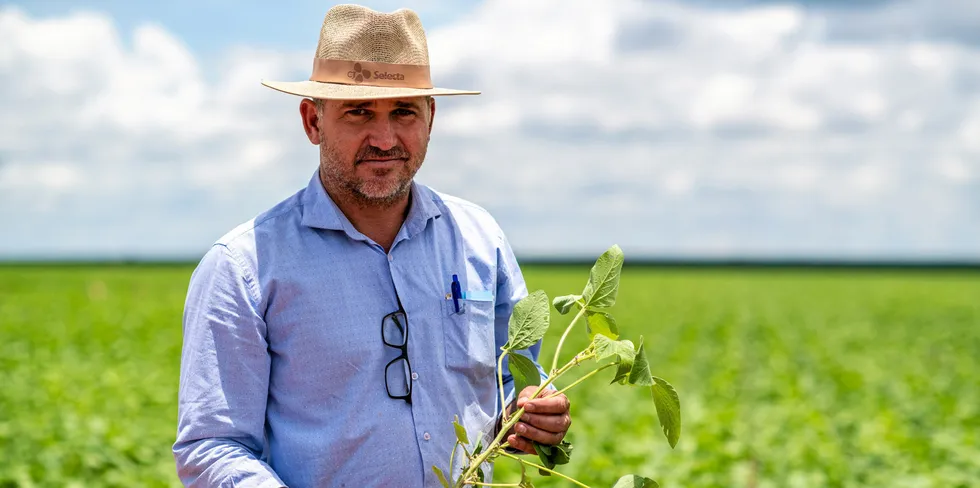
[131, 137]
[758, 116]
[669, 128]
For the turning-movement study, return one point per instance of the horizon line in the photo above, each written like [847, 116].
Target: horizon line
[662, 262]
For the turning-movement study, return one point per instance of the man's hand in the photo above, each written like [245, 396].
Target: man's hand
[546, 419]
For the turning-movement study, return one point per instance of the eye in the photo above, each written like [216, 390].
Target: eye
[357, 112]
[404, 112]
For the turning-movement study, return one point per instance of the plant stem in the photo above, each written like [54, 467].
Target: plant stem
[500, 382]
[542, 468]
[451, 456]
[579, 358]
[495, 445]
[569, 387]
[554, 363]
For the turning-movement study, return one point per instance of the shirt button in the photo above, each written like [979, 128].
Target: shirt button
[390, 258]
[415, 375]
[426, 436]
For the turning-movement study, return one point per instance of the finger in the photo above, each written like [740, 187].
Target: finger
[548, 422]
[526, 393]
[536, 434]
[554, 404]
[521, 444]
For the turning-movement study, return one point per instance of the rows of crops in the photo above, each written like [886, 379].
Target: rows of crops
[787, 378]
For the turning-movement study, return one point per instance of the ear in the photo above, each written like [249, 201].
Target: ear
[432, 112]
[307, 110]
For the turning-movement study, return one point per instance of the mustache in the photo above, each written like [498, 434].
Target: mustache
[372, 152]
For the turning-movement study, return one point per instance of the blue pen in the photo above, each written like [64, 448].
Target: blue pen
[457, 292]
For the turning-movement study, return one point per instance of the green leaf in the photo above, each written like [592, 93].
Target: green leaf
[621, 350]
[623, 372]
[523, 371]
[529, 321]
[563, 452]
[640, 373]
[542, 448]
[668, 409]
[564, 303]
[603, 283]
[634, 481]
[553, 455]
[606, 347]
[460, 432]
[601, 323]
[442, 477]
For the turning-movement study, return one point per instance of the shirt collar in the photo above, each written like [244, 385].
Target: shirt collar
[423, 209]
[320, 211]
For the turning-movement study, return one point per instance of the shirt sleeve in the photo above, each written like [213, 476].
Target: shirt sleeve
[224, 379]
[510, 290]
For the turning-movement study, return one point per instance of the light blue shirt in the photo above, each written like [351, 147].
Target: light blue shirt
[282, 370]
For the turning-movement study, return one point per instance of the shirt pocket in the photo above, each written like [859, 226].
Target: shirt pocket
[469, 337]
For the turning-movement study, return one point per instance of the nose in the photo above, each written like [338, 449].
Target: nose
[382, 135]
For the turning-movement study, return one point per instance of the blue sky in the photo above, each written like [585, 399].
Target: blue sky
[210, 27]
[749, 129]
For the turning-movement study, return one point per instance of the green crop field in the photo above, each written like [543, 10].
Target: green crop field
[786, 378]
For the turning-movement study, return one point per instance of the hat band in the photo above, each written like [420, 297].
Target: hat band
[369, 73]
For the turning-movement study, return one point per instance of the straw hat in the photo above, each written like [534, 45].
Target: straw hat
[364, 54]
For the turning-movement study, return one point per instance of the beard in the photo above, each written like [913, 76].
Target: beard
[383, 188]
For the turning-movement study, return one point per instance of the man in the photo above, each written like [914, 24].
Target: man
[331, 340]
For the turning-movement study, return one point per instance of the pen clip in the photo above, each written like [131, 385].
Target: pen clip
[457, 293]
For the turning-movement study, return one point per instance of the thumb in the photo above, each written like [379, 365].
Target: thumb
[525, 395]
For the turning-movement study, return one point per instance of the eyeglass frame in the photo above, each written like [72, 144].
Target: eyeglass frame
[404, 354]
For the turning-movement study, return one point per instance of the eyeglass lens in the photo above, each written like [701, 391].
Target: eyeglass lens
[397, 377]
[393, 329]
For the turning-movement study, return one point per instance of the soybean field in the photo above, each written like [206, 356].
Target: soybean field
[787, 378]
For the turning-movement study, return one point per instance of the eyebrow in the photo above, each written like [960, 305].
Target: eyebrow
[369, 103]
[356, 104]
[414, 105]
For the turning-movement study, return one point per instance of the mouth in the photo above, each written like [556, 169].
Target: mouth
[381, 162]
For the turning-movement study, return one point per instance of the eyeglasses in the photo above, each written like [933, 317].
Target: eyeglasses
[394, 333]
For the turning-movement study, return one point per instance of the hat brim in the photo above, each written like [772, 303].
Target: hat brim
[339, 91]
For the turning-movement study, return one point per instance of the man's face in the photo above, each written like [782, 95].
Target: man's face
[371, 149]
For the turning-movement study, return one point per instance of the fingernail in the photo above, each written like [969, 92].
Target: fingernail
[520, 428]
[529, 407]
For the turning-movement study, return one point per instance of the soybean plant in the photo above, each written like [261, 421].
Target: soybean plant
[528, 324]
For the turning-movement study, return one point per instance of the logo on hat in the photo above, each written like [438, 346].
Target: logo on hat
[358, 74]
